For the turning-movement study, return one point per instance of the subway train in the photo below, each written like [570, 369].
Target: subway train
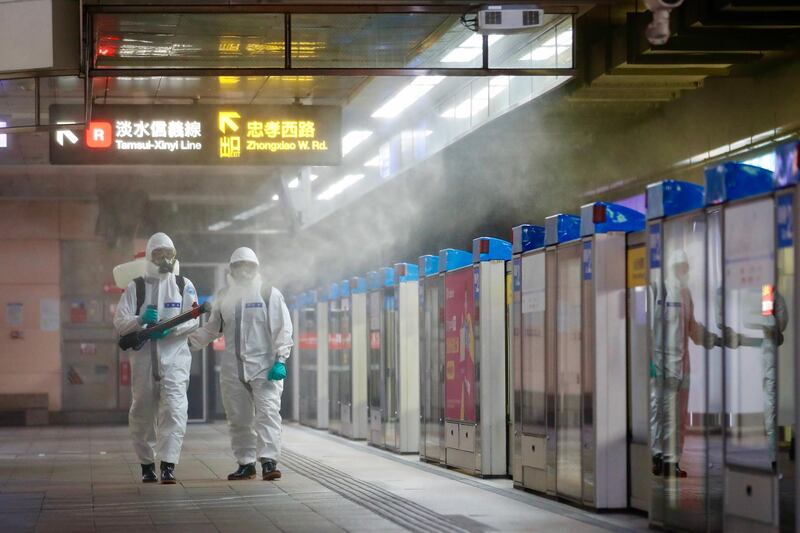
[627, 357]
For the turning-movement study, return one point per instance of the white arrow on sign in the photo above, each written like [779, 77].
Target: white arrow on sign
[71, 137]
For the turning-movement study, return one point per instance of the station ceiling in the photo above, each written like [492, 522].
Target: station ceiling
[617, 67]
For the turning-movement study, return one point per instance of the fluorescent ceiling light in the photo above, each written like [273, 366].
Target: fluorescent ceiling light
[547, 49]
[374, 162]
[353, 139]
[219, 225]
[407, 96]
[469, 49]
[3, 136]
[338, 187]
[250, 213]
[295, 182]
[479, 101]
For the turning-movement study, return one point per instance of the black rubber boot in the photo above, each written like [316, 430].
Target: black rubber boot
[658, 464]
[269, 470]
[168, 473]
[149, 473]
[247, 471]
[674, 470]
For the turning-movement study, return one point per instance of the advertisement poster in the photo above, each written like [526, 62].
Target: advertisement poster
[49, 319]
[77, 312]
[14, 314]
[460, 389]
[308, 340]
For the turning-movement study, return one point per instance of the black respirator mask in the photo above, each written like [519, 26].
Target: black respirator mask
[164, 259]
[244, 271]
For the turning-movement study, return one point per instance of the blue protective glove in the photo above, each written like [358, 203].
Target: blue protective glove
[150, 316]
[277, 372]
[158, 335]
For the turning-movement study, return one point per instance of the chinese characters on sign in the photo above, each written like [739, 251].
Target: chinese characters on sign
[199, 135]
[166, 135]
[270, 135]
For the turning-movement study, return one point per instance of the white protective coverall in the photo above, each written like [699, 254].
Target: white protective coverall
[674, 326]
[772, 323]
[257, 333]
[160, 370]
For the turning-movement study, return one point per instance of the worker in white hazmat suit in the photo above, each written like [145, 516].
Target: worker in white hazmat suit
[674, 325]
[160, 370]
[766, 310]
[775, 320]
[258, 340]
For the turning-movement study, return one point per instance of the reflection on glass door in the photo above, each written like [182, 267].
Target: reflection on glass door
[374, 385]
[345, 341]
[638, 374]
[308, 365]
[784, 312]
[568, 410]
[532, 337]
[681, 415]
[391, 413]
[432, 381]
[334, 365]
[750, 298]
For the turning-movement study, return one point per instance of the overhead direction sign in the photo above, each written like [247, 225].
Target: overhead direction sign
[200, 135]
[70, 137]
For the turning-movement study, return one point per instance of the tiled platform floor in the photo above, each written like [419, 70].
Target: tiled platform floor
[87, 479]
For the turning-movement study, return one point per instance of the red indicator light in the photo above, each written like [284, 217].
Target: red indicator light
[599, 214]
[98, 135]
[484, 246]
[767, 300]
[107, 50]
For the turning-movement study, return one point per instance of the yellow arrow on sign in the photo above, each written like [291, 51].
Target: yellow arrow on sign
[226, 119]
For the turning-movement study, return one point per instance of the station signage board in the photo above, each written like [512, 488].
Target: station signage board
[198, 135]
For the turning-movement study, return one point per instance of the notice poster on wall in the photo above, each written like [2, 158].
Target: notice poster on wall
[459, 307]
[14, 314]
[749, 256]
[49, 314]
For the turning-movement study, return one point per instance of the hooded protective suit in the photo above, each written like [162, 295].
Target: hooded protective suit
[160, 370]
[258, 333]
[674, 325]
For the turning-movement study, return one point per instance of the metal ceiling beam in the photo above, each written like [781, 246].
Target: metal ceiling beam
[700, 58]
[44, 128]
[624, 94]
[202, 199]
[729, 41]
[200, 72]
[231, 232]
[761, 5]
[667, 71]
[322, 8]
[763, 19]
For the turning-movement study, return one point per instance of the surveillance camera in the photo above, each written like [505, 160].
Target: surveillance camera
[658, 31]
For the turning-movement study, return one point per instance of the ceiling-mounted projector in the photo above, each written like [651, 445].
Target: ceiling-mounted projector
[508, 18]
